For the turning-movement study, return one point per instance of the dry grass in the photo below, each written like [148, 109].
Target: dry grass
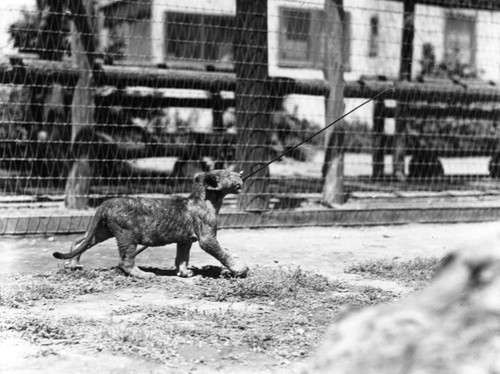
[415, 272]
[281, 312]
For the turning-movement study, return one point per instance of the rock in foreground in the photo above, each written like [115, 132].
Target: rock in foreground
[453, 326]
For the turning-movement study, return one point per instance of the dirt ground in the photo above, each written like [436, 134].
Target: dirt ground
[325, 250]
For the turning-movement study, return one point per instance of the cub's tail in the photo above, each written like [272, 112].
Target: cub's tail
[75, 252]
[85, 242]
[58, 255]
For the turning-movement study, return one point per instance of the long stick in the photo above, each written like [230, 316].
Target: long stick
[140, 250]
[316, 133]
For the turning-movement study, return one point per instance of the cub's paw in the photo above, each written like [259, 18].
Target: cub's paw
[137, 273]
[240, 271]
[73, 265]
[185, 273]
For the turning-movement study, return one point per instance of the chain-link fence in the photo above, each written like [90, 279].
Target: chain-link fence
[133, 97]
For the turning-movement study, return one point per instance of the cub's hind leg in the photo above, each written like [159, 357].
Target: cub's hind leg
[127, 259]
[182, 260]
[88, 240]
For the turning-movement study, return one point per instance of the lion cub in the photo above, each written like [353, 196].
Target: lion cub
[153, 223]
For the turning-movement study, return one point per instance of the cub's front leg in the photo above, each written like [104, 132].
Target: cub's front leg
[182, 260]
[210, 244]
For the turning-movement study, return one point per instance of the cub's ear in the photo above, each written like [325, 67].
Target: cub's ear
[211, 180]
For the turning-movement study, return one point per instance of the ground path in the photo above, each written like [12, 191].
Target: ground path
[327, 250]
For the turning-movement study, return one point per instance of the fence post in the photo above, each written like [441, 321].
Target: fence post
[378, 151]
[399, 144]
[399, 150]
[251, 96]
[217, 112]
[83, 105]
[333, 167]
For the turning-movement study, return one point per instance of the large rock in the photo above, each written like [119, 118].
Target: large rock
[453, 326]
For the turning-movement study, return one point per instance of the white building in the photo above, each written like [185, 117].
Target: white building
[200, 32]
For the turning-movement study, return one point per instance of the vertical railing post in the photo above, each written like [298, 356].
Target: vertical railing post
[83, 105]
[252, 95]
[399, 143]
[333, 167]
[217, 111]
[399, 150]
[378, 140]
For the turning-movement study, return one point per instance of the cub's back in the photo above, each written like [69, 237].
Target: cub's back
[139, 212]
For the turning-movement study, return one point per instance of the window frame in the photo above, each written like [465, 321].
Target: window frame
[316, 38]
[318, 19]
[205, 22]
[467, 18]
[373, 46]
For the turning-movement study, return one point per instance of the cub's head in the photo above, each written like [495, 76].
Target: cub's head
[223, 181]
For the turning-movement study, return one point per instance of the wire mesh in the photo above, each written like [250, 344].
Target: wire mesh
[134, 97]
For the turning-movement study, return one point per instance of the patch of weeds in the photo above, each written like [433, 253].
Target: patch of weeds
[287, 335]
[266, 283]
[162, 331]
[36, 328]
[138, 340]
[66, 284]
[299, 306]
[62, 284]
[362, 296]
[159, 331]
[25, 293]
[416, 272]
[44, 352]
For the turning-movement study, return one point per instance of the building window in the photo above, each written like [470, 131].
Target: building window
[128, 41]
[428, 60]
[301, 36]
[128, 31]
[460, 44]
[199, 37]
[374, 37]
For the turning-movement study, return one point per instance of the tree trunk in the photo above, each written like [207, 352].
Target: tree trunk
[333, 170]
[333, 167]
[399, 150]
[252, 94]
[83, 105]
